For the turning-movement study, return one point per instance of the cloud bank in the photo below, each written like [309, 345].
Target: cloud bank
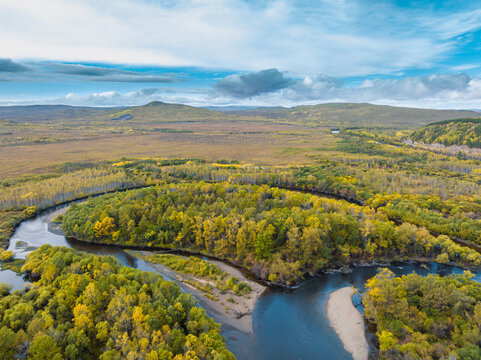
[273, 88]
[61, 72]
[445, 90]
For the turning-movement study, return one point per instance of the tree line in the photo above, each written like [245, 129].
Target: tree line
[66, 187]
[279, 235]
[451, 132]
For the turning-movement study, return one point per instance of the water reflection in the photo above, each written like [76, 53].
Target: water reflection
[17, 282]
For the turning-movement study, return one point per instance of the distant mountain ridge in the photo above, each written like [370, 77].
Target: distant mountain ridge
[363, 114]
[332, 114]
[153, 111]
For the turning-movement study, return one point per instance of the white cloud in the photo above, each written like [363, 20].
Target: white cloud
[465, 67]
[339, 38]
[435, 91]
[116, 98]
[108, 98]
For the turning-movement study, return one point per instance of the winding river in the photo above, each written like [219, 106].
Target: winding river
[288, 324]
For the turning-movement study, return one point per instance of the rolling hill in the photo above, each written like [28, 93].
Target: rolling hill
[464, 131]
[355, 114]
[152, 112]
[335, 114]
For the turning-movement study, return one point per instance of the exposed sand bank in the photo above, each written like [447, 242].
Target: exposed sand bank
[237, 315]
[348, 323]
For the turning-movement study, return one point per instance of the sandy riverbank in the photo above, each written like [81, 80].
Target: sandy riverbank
[236, 315]
[348, 323]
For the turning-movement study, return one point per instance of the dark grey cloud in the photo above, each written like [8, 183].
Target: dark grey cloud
[97, 73]
[39, 71]
[437, 90]
[10, 66]
[253, 84]
[83, 70]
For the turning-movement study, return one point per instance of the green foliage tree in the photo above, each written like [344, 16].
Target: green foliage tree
[429, 317]
[90, 307]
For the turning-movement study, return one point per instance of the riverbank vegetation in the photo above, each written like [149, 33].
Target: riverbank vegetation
[203, 270]
[89, 307]
[430, 317]
[24, 197]
[432, 191]
[67, 187]
[279, 235]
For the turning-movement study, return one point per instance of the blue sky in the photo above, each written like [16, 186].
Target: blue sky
[233, 52]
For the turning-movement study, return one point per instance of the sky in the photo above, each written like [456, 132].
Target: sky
[239, 52]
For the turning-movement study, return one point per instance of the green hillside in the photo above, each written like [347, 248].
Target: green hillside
[151, 112]
[355, 114]
[465, 131]
[335, 114]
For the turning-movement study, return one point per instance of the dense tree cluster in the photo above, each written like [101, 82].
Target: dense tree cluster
[279, 235]
[427, 318]
[457, 217]
[451, 132]
[8, 221]
[407, 187]
[89, 307]
[201, 269]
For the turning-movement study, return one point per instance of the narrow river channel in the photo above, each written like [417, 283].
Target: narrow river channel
[288, 324]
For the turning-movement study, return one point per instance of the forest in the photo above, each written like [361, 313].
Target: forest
[425, 317]
[280, 235]
[24, 197]
[89, 307]
[465, 131]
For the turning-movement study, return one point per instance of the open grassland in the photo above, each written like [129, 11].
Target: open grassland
[35, 137]
[281, 148]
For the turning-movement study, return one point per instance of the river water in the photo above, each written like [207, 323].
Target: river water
[288, 324]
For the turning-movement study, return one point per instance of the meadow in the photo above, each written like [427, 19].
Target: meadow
[32, 139]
